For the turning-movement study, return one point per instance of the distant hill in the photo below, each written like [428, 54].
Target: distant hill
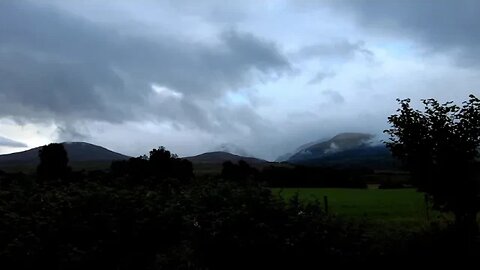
[211, 162]
[339, 143]
[220, 157]
[287, 156]
[78, 153]
[232, 149]
[346, 150]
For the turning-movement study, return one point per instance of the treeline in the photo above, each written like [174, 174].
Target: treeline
[303, 176]
[161, 163]
[297, 176]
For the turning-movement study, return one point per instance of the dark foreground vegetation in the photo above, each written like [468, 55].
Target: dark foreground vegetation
[152, 212]
[139, 217]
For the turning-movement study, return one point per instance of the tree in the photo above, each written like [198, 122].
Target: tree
[160, 165]
[53, 163]
[164, 164]
[439, 146]
[161, 162]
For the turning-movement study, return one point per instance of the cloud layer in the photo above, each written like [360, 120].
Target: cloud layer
[61, 67]
[266, 76]
[11, 143]
[443, 26]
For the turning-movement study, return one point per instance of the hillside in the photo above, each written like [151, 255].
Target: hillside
[79, 154]
[220, 157]
[346, 150]
[211, 162]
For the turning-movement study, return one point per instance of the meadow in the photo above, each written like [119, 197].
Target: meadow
[395, 207]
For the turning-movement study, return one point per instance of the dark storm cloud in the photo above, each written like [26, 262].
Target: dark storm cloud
[442, 25]
[10, 143]
[54, 66]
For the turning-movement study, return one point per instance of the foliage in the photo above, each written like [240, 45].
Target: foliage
[53, 165]
[133, 219]
[439, 145]
[152, 213]
[159, 165]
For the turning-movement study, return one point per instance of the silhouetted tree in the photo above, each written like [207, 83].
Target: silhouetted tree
[164, 164]
[439, 146]
[53, 163]
[161, 162]
[158, 166]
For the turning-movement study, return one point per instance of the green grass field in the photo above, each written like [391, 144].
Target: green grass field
[395, 206]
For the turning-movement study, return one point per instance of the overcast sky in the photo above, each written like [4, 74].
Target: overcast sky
[266, 76]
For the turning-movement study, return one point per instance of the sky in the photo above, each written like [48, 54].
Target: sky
[196, 76]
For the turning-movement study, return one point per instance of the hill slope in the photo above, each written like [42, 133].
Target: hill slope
[78, 152]
[211, 162]
[346, 150]
[220, 157]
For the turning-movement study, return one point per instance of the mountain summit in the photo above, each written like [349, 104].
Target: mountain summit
[232, 149]
[341, 142]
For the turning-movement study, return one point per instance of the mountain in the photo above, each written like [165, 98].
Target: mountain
[78, 152]
[220, 157]
[287, 156]
[346, 150]
[232, 149]
[340, 142]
